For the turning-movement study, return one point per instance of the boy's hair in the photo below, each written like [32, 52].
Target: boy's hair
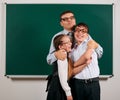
[81, 24]
[58, 41]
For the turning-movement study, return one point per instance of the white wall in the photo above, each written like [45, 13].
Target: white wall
[34, 89]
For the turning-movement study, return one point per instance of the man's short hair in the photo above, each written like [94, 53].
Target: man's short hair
[65, 12]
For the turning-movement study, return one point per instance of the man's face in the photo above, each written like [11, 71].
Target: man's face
[80, 33]
[68, 21]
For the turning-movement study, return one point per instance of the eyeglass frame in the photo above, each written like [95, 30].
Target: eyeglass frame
[67, 18]
[68, 42]
[85, 30]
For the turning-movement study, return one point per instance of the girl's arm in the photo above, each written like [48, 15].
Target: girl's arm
[75, 70]
[91, 45]
[63, 75]
[84, 58]
[78, 69]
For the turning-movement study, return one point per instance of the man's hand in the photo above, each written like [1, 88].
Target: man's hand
[69, 98]
[92, 44]
[61, 54]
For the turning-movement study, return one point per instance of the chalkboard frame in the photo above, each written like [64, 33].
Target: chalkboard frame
[8, 61]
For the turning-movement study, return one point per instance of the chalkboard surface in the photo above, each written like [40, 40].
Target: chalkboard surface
[30, 27]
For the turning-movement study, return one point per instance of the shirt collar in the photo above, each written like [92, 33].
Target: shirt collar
[65, 31]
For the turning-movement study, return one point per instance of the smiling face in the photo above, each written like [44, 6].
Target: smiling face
[65, 44]
[62, 41]
[80, 34]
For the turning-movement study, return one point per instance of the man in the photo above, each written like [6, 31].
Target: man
[85, 84]
[67, 21]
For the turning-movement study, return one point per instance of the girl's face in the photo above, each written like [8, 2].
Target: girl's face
[80, 34]
[66, 44]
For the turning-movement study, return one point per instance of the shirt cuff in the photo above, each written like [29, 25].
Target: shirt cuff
[68, 93]
[53, 59]
[97, 48]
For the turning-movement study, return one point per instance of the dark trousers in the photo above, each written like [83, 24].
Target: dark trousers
[85, 90]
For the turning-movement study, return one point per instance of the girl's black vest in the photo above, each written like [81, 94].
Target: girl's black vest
[54, 73]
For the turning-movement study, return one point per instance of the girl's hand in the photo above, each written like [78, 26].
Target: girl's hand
[69, 98]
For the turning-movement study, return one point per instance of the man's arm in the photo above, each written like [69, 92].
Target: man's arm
[51, 57]
[98, 49]
[54, 55]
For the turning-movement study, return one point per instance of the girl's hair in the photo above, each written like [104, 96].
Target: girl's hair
[58, 41]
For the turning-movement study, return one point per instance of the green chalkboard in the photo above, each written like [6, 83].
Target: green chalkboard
[30, 27]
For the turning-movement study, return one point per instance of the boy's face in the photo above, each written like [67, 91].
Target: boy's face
[80, 33]
[68, 21]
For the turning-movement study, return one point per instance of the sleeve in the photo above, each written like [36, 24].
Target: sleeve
[51, 57]
[99, 51]
[63, 76]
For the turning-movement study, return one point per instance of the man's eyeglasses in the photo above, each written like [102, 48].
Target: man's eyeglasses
[67, 18]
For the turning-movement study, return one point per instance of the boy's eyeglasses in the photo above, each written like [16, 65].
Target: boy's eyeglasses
[82, 30]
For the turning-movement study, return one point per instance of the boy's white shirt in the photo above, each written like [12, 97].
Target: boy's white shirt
[63, 75]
